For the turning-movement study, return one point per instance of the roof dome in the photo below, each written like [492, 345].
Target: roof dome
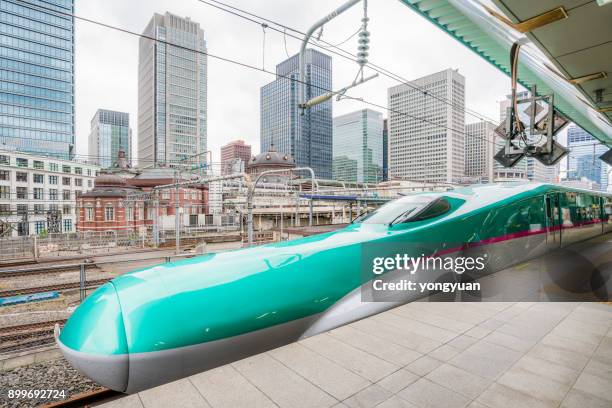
[109, 180]
[272, 158]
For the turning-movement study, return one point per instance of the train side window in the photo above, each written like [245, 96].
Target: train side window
[548, 208]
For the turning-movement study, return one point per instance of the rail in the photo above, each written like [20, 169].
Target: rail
[83, 284]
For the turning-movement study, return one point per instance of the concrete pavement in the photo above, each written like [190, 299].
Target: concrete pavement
[421, 355]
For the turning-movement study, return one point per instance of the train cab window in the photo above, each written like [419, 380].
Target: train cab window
[406, 209]
[435, 209]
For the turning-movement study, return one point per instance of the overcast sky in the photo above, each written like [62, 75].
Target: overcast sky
[401, 41]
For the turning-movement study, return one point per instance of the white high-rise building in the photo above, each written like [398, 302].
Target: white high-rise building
[171, 91]
[426, 131]
[479, 150]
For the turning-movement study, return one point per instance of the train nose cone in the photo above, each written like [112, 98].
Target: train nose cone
[94, 342]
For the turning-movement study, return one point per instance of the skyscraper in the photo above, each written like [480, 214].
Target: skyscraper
[110, 133]
[426, 140]
[358, 147]
[306, 137]
[37, 77]
[233, 151]
[479, 150]
[171, 91]
[583, 160]
[385, 138]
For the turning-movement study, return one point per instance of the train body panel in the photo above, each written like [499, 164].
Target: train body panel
[195, 314]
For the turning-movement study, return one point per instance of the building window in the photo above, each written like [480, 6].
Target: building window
[65, 181]
[5, 175]
[22, 193]
[88, 183]
[109, 213]
[67, 225]
[89, 213]
[5, 192]
[89, 172]
[129, 213]
[65, 194]
[52, 179]
[52, 194]
[66, 169]
[38, 164]
[39, 227]
[4, 159]
[22, 162]
[78, 170]
[67, 210]
[21, 176]
[22, 209]
[78, 182]
[39, 209]
[77, 194]
[39, 178]
[5, 209]
[53, 167]
[22, 229]
[38, 193]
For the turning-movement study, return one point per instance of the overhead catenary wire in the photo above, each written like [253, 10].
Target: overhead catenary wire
[252, 67]
[342, 53]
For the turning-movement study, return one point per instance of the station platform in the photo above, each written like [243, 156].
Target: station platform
[425, 355]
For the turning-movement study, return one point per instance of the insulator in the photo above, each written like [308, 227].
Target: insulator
[362, 61]
[364, 33]
[363, 41]
[363, 47]
[365, 19]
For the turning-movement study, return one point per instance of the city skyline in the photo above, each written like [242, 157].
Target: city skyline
[235, 90]
[81, 141]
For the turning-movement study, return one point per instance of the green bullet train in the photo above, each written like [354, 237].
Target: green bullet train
[165, 322]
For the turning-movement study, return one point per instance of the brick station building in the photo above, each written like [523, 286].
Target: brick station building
[106, 209]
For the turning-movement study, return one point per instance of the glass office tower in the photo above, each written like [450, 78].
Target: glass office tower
[172, 92]
[110, 133]
[358, 147]
[583, 159]
[308, 137]
[37, 76]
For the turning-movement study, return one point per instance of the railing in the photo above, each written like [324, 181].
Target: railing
[92, 242]
[82, 268]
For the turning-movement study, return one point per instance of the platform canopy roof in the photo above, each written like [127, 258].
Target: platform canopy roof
[559, 58]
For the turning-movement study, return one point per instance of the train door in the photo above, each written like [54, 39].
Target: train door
[553, 226]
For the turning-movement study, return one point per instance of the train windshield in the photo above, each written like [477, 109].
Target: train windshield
[405, 209]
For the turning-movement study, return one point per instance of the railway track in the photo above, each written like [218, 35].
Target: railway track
[85, 399]
[57, 287]
[27, 336]
[9, 273]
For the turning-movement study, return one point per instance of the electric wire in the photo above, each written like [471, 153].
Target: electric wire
[344, 54]
[252, 67]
